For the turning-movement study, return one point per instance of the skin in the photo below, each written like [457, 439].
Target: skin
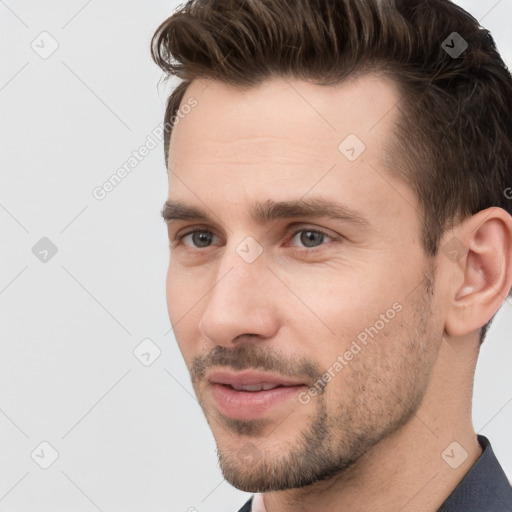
[375, 435]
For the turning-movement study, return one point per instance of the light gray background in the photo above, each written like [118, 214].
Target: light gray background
[129, 437]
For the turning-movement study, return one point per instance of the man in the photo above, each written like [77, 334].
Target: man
[340, 239]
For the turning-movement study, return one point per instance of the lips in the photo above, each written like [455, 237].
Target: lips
[250, 394]
[249, 380]
[265, 386]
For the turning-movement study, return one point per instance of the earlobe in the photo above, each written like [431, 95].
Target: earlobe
[486, 269]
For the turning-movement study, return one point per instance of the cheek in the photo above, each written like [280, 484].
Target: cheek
[335, 300]
[183, 292]
[183, 306]
[171, 291]
[344, 312]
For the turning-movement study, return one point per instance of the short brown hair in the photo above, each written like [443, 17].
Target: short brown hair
[453, 140]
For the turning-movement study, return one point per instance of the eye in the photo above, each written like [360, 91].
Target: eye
[203, 238]
[198, 238]
[311, 238]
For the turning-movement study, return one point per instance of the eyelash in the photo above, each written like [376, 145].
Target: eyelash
[178, 241]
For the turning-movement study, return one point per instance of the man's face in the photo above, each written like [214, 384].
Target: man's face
[339, 312]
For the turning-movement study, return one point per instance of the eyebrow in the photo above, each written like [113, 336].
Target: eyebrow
[272, 210]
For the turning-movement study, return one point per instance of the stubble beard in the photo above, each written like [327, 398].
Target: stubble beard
[379, 403]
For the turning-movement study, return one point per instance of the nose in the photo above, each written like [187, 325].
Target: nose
[242, 302]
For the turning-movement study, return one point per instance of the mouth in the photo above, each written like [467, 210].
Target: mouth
[254, 387]
[250, 395]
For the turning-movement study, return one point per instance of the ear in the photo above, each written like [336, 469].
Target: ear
[483, 244]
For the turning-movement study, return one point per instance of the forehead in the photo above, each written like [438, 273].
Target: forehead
[312, 112]
[284, 139]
